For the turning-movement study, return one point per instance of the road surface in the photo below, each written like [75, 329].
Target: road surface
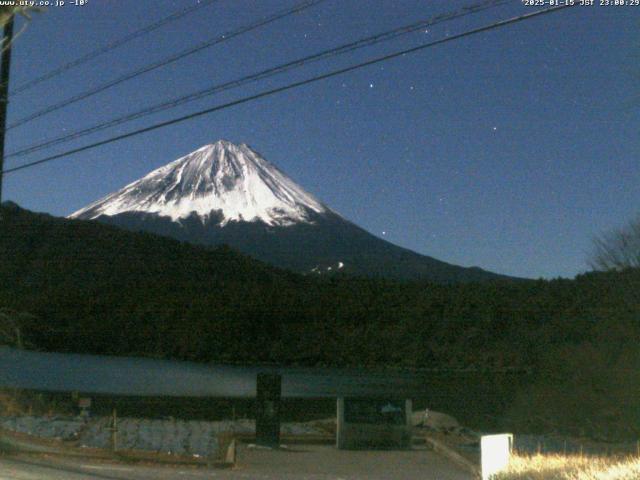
[302, 462]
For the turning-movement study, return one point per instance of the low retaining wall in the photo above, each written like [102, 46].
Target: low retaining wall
[175, 437]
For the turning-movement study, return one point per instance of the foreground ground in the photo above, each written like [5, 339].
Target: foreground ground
[572, 467]
[302, 462]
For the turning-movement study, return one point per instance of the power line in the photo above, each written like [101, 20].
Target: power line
[349, 47]
[166, 61]
[111, 46]
[290, 86]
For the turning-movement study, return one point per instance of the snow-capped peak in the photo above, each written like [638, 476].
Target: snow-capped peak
[222, 177]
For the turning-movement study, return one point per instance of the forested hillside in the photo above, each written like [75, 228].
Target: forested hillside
[95, 288]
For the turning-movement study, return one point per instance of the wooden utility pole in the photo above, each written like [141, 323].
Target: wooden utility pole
[4, 88]
[114, 431]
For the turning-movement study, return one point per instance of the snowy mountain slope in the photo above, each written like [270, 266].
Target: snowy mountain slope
[227, 194]
[231, 180]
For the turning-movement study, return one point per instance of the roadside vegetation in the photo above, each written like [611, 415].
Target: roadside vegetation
[571, 467]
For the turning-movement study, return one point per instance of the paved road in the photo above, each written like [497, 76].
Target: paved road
[299, 463]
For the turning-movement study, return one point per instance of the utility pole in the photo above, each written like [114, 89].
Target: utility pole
[4, 88]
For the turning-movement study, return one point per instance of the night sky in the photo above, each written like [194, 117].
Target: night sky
[509, 150]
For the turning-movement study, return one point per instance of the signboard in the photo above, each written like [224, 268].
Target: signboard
[373, 423]
[374, 411]
[84, 403]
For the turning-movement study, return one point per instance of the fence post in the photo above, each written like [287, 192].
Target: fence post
[340, 440]
[114, 430]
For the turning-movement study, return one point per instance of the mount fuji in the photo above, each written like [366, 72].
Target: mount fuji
[225, 193]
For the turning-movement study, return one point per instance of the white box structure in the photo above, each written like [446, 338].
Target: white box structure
[495, 452]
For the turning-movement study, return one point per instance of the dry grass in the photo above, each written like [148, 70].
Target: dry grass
[10, 404]
[15, 402]
[571, 467]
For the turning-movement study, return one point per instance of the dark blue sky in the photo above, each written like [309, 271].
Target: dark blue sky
[509, 150]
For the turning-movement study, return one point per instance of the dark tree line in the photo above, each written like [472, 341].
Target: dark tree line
[96, 289]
